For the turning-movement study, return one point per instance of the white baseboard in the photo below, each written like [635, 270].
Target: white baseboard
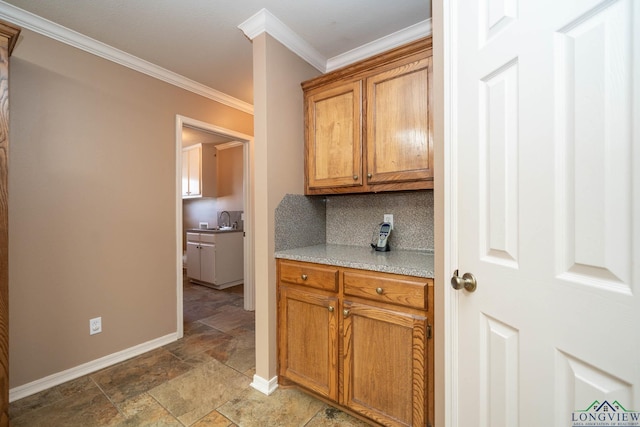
[87, 368]
[265, 386]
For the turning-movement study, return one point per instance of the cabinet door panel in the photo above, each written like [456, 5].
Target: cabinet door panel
[185, 174]
[308, 340]
[193, 260]
[207, 262]
[334, 136]
[398, 137]
[385, 364]
[194, 171]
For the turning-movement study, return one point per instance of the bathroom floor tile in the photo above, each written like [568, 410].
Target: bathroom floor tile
[200, 391]
[214, 419]
[333, 417]
[285, 407]
[135, 376]
[90, 408]
[228, 318]
[144, 410]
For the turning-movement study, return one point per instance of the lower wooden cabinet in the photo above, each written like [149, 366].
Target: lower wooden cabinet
[358, 338]
[309, 349]
[384, 364]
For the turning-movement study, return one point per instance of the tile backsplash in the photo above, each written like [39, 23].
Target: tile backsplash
[352, 219]
[300, 221]
[195, 211]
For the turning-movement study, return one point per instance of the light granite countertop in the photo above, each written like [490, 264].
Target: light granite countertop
[409, 262]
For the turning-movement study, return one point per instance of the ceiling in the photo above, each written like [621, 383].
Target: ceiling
[200, 39]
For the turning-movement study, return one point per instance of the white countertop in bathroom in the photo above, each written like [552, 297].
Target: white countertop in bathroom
[212, 230]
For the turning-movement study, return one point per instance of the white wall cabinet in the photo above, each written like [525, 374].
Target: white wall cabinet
[199, 171]
[215, 259]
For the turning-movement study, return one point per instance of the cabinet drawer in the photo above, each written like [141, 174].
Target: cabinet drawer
[207, 238]
[407, 291]
[193, 237]
[312, 275]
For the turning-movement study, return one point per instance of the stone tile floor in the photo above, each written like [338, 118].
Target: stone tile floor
[201, 380]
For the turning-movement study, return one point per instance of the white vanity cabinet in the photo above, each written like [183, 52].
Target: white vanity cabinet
[215, 259]
[201, 257]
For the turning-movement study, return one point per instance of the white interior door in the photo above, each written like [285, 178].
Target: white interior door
[546, 134]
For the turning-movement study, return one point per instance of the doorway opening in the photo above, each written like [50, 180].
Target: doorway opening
[190, 131]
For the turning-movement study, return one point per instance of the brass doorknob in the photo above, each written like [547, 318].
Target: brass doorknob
[467, 281]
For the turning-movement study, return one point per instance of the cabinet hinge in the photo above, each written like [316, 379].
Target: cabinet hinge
[428, 332]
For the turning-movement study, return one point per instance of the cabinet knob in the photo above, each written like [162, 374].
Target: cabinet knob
[369, 175]
[304, 277]
[379, 291]
[345, 313]
[355, 177]
[330, 309]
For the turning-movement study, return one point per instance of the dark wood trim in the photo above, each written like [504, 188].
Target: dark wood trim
[8, 37]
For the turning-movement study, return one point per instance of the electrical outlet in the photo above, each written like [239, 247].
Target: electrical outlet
[389, 218]
[95, 325]
[203, 225]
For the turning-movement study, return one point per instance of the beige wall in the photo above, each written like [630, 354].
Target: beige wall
[279, 169]
[91, 205]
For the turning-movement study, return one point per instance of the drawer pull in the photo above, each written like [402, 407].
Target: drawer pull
[379, 291]
[345, 313]
[304, 277]
[369, 175]
[330, 309]
[355, 177]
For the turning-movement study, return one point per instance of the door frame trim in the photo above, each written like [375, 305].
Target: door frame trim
[247, 150]
[445, 211]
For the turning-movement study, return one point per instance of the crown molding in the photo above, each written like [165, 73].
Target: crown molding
[62, 34]
[406, 35]
[265, 22]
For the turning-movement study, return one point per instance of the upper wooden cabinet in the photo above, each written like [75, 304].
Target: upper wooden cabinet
[368, 126]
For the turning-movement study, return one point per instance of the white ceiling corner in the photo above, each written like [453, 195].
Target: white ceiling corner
[265, 22]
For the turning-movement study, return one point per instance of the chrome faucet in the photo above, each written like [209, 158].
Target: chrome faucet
[220, 223]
